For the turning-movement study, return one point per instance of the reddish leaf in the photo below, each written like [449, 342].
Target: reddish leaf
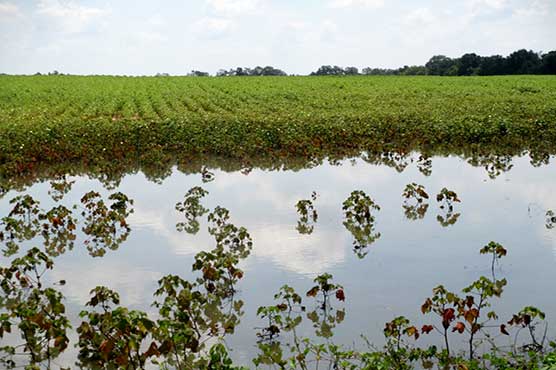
[469, 301]
[412, 331]
[106, 347]
[340, 295]
[471, 315]
[239, 274]
[56, 221]
[426, 307]
[313, 292]
[61, 343]
[426, 329]
[459, 327]
[152, 351]
[503, 330]
[448, 316]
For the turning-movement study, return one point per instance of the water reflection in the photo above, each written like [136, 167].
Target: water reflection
[192, 210]
[308, 215]
[414, 204]
[446, 199]
[424, 164]
[58, 231]
[494, 165]
[21, 223]
[360, 221]
[284, 325]
[206, 175]
[539, 159]
[262, 201]
[396, 160]
[110, 335]
[550, 219]
[60, 187]
[158, 166]
[104, 227]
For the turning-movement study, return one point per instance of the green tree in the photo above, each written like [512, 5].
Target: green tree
[440, 65]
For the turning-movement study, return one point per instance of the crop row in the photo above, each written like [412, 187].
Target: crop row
[50, 119]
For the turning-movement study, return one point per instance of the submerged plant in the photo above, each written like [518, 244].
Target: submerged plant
[192, 313]
[58, 230]
[497, 251]
[37, 312]
[466, 315]
[192, 209]
[105, 226]
[206, 175]
[325, 318]
[446, 198]
[281, 344]
[360, 222]
[59, 187]
[114, 337]
[308, 215]
[414, 204]
[424, 165]
[494, 164]
[194, 316]
[398, 160]
[21, 224]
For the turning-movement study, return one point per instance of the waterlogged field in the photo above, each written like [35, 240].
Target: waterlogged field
[49, 119]
[285, 223]
[386, 262]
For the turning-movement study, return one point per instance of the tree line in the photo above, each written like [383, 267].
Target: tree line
[517, 63]
[257, 71]
[470, 64]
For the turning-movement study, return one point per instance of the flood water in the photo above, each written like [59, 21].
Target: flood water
[394, 277]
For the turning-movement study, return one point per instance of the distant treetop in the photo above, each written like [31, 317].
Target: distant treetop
[519, 62]
[257, 71]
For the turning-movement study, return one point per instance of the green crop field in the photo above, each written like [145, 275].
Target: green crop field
[48, 119]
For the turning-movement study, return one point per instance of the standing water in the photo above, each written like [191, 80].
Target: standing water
[412, 249]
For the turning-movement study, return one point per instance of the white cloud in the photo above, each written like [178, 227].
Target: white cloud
[538, 8]
[328, 31]
[213, 27]
[420, 16]
[479, 7]
[119, 276]
[234, 7]
[150, 37]
[9, 10]
[297, 25]
[296, 36]
[494, 4]
[351, 3]
[305, 254]
[162, 224]
[71, 16]
[156, 20]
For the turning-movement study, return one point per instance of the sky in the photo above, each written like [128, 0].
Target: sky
[140, 37]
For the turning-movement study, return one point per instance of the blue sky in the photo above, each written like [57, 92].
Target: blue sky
[175, 36]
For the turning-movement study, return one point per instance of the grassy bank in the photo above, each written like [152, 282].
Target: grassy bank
[53, 119]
